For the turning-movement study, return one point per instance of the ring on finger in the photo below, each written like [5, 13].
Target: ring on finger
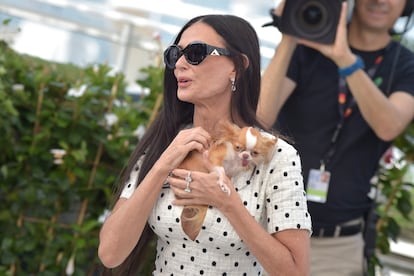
[188, 179]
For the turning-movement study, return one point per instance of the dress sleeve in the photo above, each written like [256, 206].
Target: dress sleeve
[131, 183]
[285, 194]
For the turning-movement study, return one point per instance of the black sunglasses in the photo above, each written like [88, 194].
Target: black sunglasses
[194, 53]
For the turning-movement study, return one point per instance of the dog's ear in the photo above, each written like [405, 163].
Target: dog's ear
[270, 137]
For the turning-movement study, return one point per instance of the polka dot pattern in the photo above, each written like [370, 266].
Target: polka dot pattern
[131, 183]
[274, 196]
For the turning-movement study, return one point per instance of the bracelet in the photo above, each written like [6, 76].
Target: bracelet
[349, 70]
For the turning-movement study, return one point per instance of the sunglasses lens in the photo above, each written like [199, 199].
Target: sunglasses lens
[171, 55]
[195, 53]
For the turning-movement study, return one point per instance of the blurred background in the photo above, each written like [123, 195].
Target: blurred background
[120, 33]
[123, 34]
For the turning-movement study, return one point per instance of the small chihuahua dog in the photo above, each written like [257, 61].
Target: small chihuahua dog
[232, 151]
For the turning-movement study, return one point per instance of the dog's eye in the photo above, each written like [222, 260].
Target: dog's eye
[238, 148]
[254, 153]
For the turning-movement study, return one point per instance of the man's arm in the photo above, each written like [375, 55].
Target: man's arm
[275, 86]
[388, 117]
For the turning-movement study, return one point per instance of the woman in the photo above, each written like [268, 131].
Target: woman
[212, 73]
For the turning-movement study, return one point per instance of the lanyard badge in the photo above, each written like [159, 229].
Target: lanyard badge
[318, 184]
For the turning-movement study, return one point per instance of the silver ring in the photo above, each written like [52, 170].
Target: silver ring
[188, 179]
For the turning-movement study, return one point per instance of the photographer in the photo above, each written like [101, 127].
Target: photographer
[342, 103]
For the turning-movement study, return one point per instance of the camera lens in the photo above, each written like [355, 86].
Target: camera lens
[312, 15]
[314, 20]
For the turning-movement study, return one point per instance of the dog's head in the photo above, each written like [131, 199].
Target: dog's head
[248, 144]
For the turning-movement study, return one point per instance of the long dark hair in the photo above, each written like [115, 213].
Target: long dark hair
[240, 38]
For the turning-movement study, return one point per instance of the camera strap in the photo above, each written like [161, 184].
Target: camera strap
[346, 104]
[275, 20]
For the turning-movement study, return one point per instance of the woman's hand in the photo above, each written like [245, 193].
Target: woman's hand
[185, 141]
[204, 188]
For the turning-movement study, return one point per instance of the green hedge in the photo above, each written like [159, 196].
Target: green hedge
[50, 205]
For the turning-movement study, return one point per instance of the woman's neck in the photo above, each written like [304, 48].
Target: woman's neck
[208, 118]
[208, 122]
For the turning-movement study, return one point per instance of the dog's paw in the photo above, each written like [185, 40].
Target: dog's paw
[220, 182]
[224, 188]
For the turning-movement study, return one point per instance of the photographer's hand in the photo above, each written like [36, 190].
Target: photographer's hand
[286, 38]
[279, 9]
[339, 52]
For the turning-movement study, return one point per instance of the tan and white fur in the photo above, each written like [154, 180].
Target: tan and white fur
[232, 151]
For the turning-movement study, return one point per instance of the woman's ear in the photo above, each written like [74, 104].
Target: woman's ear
[246, 61]
[246, 64]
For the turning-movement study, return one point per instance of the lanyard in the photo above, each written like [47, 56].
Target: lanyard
[346, 104]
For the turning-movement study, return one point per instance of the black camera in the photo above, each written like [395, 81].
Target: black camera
[314, 20]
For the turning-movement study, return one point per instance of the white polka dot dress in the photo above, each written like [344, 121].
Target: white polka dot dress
[273, 194]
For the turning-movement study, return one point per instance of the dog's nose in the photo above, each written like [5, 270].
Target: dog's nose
[246, 155]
